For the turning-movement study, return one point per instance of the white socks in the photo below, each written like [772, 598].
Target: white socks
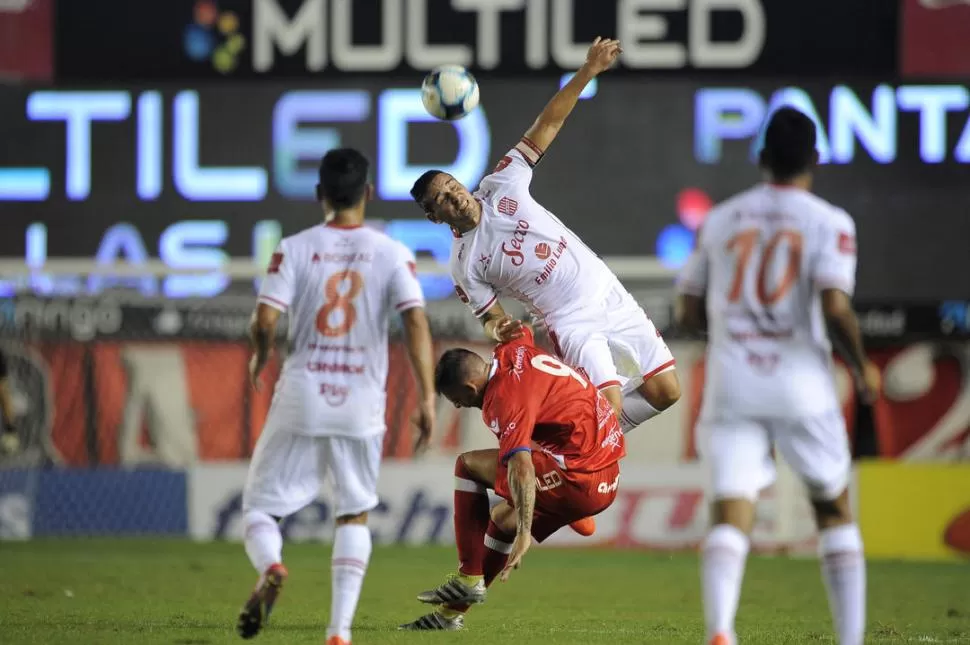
[264, 542]
[351, 553]
[844, 572]
[722, 570]
[636, 410]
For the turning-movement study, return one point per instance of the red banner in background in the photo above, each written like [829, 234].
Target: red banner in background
[175, 404]
[935, 38]
[26, 40]
[923, 413]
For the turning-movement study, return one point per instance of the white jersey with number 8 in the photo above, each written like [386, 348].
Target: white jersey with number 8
[339, 286]
[761, 261]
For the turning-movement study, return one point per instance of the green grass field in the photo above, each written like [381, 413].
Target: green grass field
[133, 592]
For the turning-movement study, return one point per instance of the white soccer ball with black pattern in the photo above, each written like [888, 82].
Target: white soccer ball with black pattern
[449, 92]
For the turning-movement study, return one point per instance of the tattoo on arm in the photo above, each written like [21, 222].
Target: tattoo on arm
[522, 485]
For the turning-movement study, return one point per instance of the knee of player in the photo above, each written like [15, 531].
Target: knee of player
[503, 516]
[360, 518]
[662, 391]
[831, 505]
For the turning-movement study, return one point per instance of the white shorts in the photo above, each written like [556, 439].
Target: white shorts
[740, 454]
[613, 342]
[287, 471]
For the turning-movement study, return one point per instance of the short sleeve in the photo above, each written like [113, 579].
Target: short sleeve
[835, 263]
[514, 421]
[404, 288]
[516, 166]
[693, 277]
[474, 292]
[277, 287]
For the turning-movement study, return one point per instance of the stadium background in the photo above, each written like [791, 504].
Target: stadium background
[183, 131]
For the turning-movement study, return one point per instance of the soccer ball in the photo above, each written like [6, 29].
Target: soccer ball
[449, 92]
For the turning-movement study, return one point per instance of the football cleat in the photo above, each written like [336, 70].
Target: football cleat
[722, 639]
[585, 527]
[336, 640]
[255, 613]
[454, 591]
[435, 622]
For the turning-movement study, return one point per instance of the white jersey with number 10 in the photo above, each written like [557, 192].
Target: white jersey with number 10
[762, 259]
[339, 286]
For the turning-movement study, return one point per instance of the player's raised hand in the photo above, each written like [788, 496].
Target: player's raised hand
[602, 54]
[507, 329]
[519, 548]
[424, 420]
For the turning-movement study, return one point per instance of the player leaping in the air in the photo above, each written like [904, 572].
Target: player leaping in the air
[340, 284]
[773, 265]
[507, 244]
[560, 444]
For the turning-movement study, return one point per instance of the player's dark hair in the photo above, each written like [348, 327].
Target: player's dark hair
[452, 368]
[420, 188]
[789, 144]
[343, 177]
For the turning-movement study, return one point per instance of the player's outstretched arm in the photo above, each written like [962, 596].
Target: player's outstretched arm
[499, 326]
[601, 56]
[846, 336]
[262, 331]
[417, 335]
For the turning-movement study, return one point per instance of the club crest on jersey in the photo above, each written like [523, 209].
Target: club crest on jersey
[846, 244]
[503, 163]
[508, 206]
[274, 263]
[518, 237]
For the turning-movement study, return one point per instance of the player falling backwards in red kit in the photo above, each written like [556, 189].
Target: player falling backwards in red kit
[560, 444]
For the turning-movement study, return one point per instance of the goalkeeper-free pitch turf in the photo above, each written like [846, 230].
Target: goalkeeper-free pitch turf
[147, 592]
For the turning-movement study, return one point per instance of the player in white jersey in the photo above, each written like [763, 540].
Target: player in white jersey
[507, 244]
[340, 283]
[773, 266]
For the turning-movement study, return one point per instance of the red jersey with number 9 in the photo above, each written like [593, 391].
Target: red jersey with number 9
[340, 287]
[534, 401]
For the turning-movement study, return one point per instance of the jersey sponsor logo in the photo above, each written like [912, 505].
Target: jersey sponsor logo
[606, 489]
[335, 368]
[508, 206]
[485, 260]
[509, 429]
[847, 244]
[542, 250]
[316, 258]
[502, 164]
[613, 440]
[552, 262]
[335, 395]
[548, 481]
[462, 295]
[518, 238]
[274, 263]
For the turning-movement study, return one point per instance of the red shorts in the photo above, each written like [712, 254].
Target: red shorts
[563, 496]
